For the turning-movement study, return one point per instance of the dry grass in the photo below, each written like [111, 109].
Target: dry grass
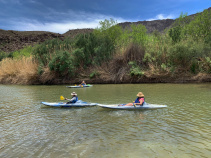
[18, 71]
[47, 76]
[202, 77]
[134, 52]
[117, 70]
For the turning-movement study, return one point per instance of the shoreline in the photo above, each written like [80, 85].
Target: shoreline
[186, 79]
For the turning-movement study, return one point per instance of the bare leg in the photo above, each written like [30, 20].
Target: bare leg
[129, 104]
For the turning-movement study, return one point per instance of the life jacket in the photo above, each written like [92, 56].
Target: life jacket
[76, 99]
[137, 100]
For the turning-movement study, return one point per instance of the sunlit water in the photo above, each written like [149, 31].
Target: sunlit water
[29, 129]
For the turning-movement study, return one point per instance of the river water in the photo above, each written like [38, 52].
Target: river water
[29, 129]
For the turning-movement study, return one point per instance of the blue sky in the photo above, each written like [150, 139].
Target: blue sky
[59, 16]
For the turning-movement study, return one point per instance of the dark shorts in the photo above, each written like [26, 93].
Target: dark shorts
[69, 102]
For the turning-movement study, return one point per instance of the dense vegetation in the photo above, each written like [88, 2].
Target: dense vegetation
[113, 54]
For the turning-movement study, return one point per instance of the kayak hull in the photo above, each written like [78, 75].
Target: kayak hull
[79, 86]
[137, 107]
[63, 104]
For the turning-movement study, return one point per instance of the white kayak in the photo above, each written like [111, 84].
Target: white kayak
[122, 107]
[84, 86]
[79, 103]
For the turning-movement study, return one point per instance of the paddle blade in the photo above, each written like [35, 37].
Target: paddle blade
[61, 97]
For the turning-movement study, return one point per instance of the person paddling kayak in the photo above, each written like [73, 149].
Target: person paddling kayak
[138, 101]
[73, 99]
[83, 83]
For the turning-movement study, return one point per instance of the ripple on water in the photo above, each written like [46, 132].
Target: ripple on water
[33, 130]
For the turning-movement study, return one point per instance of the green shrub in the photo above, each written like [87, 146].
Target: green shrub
[138, 34]
[3, 55]
[93, 74]
[182, 53]
[44, 51]
[27, 51]
[62, 63]
[79, 57]
[148, 58]
[194, 66]
[92, 49]
[110, 29]
[199, 28]
[175, 34]
[135, 69]
[205, 65]
[163, 67]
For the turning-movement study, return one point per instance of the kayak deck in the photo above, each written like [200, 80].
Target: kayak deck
[63, 104]
[145, 106]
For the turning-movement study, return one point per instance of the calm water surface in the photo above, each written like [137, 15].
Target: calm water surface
[29, 129]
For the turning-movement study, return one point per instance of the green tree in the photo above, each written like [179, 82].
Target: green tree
[182, 20]
[62, 63]
[200, 27]
[109, 29]
[92, 49]
[178, 31]
[138, 34]
[175, 34]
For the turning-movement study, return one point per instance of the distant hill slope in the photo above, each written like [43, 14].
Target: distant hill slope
[73, 33]
[159, 25]
[15, 40]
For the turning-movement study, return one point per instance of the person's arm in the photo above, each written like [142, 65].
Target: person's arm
[141, 101]
[73, 98]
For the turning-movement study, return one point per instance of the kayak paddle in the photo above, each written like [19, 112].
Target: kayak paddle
[62, 98]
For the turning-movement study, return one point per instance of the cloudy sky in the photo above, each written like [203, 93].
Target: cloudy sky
[60, 16]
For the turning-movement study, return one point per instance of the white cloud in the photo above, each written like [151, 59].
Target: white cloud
[60, 26]
[54, 27]
[60, 22]
[161, 17]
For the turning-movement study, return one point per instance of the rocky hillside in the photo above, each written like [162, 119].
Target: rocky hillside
[15, 40]
[159, 25]
[73, 33]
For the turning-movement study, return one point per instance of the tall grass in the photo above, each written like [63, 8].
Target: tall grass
[18, 71]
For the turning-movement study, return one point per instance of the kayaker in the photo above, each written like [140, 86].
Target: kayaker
[83, 83]
[138, 101]
[73, 99]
